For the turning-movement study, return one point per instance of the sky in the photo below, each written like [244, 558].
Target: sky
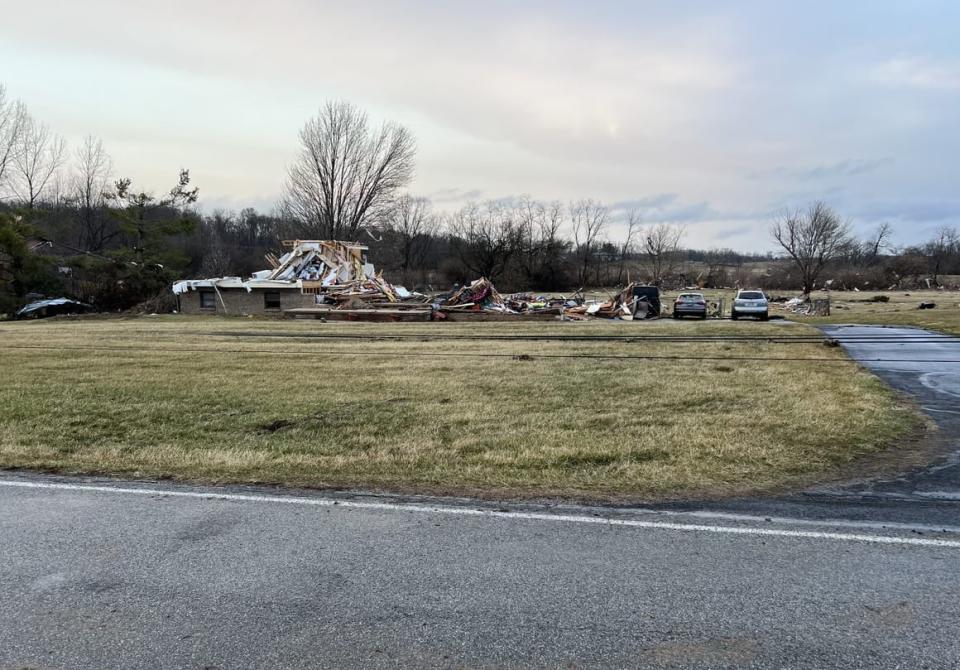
[717, 116]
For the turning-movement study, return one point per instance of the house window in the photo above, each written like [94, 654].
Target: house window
[271, 299]
[208, 300]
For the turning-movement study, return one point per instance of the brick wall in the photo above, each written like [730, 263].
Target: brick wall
[240, 302]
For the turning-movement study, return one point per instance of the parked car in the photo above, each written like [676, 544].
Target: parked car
[690, 304]
[750, 303]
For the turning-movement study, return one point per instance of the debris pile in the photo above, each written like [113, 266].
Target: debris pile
[530, 303]
[481, 295]
[804, 306]
[626, 305]
[336, 273]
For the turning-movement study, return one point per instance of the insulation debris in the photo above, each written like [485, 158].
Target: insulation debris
[803, 305]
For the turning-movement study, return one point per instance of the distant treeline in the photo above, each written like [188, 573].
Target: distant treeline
[128, 249]
[69, 226]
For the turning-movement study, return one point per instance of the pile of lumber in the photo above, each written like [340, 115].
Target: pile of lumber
[621, 306]
[479, 296]
[336, 272]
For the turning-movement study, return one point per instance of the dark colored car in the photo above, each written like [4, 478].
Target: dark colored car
[690, 304]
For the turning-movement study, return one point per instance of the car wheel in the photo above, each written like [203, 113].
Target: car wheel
[765, 316]
[703, 317]
[733, 315]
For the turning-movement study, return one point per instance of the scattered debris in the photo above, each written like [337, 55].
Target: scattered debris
[803, 305]
[633, 302]
[53, 307]
[926, 305]
[481, 295]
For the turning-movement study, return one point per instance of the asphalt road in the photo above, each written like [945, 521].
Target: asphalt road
[918, 370]
[98, 574]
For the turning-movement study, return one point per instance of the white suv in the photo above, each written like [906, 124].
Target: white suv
[750, 303]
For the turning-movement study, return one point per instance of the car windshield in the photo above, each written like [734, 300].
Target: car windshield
[750, 295]
[690, 297]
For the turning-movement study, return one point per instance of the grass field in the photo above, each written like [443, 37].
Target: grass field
[901, 310]
[227, 400]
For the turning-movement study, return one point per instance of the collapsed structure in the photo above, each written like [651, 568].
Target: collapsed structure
[312, 273]
[329, 279]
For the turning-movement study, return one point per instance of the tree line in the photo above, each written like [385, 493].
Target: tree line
[70, 225]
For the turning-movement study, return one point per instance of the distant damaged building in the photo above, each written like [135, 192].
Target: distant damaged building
[313, 272]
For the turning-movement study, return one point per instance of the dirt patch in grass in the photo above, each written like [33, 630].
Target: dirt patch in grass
[167, 397]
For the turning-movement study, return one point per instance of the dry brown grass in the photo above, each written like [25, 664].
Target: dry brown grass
[901, 310]
[180, 397]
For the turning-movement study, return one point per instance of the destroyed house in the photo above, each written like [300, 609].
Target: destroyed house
[313, 271]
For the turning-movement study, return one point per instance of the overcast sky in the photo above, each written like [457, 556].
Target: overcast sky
[716, 115]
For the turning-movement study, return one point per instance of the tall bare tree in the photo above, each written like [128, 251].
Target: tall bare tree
[588, 221]
[811, 239]
[661, 244]
[879, 242]
[633, 227]
[347, 174]
[13, 114]
[541, 249]
[91, 184]
[485, 238]
[39, 156]
[413, 222]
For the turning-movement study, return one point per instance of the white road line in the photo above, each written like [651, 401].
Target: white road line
[497, 514]
[925, 408]
[833, 523]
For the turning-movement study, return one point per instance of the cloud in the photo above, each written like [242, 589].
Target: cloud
[453, 195]
[705, 107]
[727, 233]
[919, 73]
[849, 167]
[668, 208]
[908, 210]
[658, 200]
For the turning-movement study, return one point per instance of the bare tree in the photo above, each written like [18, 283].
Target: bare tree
[346, 175]
[415, 225]
[879, 242]
[541, 248]
[39, 156]
[633, 227]
[91, 184]
[13, 114]
[811, 239]
[588, 221]
[939, 250]
[661, 244]
[485, 238]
